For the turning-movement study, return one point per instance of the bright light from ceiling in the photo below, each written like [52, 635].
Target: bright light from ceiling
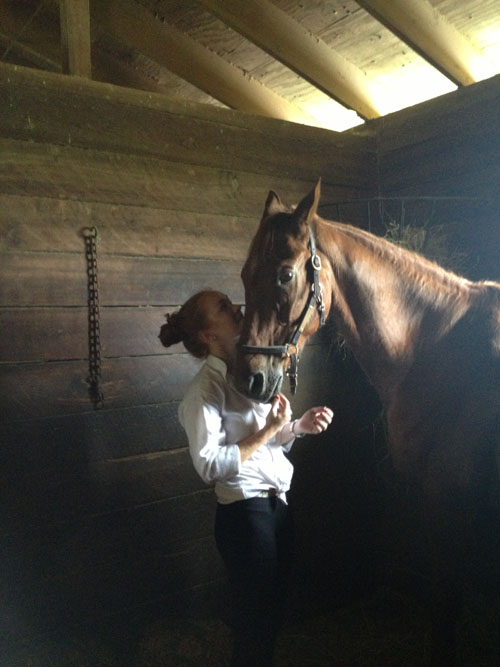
[410, 85]
[482, 68]
[331, 115]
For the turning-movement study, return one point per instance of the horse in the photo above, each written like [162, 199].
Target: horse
[427, 339]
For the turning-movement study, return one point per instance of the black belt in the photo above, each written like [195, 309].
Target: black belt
[268, 493]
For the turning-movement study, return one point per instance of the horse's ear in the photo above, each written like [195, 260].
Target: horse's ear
[273, 205]
[306, 209]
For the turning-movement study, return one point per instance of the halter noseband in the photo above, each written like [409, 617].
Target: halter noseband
[315, 301]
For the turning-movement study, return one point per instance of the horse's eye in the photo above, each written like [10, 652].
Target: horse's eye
[285, 275]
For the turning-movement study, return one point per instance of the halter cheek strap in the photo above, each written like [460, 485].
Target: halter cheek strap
[315, 302]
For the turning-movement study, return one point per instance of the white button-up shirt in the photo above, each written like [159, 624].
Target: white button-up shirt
[215, 417]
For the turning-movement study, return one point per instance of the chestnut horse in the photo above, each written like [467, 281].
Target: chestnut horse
[429, 342]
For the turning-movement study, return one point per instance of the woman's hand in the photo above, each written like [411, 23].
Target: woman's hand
[314, 421]
[280, 413]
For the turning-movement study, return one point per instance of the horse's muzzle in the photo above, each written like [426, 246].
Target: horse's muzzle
[261, 386]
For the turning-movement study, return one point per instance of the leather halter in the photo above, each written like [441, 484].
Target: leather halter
[290, 350]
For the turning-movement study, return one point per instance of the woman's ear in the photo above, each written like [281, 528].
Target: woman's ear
[204, 336]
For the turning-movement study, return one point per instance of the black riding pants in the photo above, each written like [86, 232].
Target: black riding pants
[255, 540]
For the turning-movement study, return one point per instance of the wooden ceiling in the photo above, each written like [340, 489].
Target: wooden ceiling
[329, 63]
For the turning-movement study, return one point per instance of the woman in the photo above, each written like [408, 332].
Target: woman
[239, 446]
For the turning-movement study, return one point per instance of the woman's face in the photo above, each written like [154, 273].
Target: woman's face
[223, 319]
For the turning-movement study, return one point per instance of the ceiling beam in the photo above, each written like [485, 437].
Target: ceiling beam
[43, 48]
[425, 30]
[16, 52]
[75, 37]
[134, 25]
[286, 40]
[21, 36]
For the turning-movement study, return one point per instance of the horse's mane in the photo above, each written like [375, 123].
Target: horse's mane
[426, 276]
[422, 276]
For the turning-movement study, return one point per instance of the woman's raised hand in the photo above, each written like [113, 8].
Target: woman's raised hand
[280, 413]
[315, 420]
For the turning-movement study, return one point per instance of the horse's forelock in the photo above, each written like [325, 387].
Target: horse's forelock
[274, 241]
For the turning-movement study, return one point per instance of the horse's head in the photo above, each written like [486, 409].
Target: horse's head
[284, 298]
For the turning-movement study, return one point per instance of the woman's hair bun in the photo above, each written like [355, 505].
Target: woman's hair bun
[171, 332]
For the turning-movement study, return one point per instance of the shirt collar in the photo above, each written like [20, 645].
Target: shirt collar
[220, 366]
[217, 364]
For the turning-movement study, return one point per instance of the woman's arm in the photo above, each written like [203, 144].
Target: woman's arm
[277, 418]
[313, 421]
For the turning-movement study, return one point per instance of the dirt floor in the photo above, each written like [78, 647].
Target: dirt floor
[386, 630]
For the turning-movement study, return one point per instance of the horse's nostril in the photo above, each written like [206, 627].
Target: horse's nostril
[256, 384]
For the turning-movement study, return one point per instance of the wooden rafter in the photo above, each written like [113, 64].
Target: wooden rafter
[12, 49]
[286, 40]
[427, 31]
[173, 49]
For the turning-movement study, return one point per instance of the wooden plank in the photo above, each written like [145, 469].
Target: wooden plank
[31, 391]
[75, 37]
[89, 175]
[59, 279]
[78, 491]
[47, 334]
[148, 478]
[467, 110]
[152, 576]
[50, 334]
[51, 108]
[94, 590]
[43, 224]
[468, 165]
[57, 550]
[95, 435]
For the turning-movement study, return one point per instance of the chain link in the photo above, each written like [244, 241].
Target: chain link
[94, 378]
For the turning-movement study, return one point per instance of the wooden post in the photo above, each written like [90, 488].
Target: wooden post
[75, 37]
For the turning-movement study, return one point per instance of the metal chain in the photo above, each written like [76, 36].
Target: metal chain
[94, 378]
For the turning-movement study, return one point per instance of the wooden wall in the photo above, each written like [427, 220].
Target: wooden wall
[102, 515]
[446, 146]
[441, 159]
[101, 510]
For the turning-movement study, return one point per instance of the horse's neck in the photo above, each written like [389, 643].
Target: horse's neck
[386, 301]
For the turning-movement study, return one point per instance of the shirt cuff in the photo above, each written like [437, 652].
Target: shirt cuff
[285, 437]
